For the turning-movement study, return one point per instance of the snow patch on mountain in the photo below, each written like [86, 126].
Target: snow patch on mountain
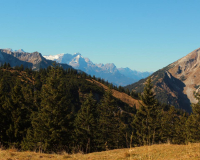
[11, 50]
[108, 72]
[20, 51]
[54, 57]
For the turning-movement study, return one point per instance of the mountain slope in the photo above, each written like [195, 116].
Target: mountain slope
[176, 83]
[137, 75]
[108, 71]
[120, 95]
[34, 60]
[187, 69]
[6, 57]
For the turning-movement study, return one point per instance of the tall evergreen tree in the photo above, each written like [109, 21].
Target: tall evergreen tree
[108, 122]
[85, 125]
[193, 122]
[145, 123]
[19, 115]
[167, 123]
[180, 136]
[5, 110]
[52, 122]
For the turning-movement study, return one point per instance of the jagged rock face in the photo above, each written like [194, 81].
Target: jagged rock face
[176, 83]
[109, 72]
[34, 60]
[187, 69]
[7, 57]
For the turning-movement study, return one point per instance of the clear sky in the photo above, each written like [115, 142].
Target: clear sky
[144, 35]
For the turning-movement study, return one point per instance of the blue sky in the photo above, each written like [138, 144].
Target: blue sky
[144, 35]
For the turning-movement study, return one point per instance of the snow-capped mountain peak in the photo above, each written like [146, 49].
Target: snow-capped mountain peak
[20, 51]
[106, 71]
[54, 57]
[9, 49]
[77, 54]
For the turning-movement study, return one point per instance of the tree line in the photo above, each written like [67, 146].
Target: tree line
[53, 109]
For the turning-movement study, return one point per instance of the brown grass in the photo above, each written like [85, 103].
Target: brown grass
[21, 74]
[154, 152]
[122, 96]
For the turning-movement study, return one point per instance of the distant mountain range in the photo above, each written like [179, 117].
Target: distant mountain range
[176, 83]
[109, 72]
[173, 84]
[31, 60]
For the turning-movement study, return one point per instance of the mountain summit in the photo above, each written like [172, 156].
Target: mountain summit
[176, 83]
[19, 57]
[20, 51]
[108, 71]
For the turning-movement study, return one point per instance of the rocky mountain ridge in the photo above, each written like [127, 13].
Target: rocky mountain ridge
[109, 72]
[33, 60]
[176, 83]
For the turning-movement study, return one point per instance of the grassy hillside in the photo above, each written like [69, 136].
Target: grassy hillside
[119, 95]
[155, 152]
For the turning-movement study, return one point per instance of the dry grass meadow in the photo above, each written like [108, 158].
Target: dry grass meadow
[119, 95]
[154, 152]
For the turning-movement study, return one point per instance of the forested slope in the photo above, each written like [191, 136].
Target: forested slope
[53, 109]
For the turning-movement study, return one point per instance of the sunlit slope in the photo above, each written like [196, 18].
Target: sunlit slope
[155, 152]
[176, 83]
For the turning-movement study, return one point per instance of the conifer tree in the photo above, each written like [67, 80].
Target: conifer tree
[167, 122]
[5, 108]
[51, 124]
[193, 122]
[85, 124]
[180, 136]
[145, 123]
[19, 114]
[28, 142]
[108, 122]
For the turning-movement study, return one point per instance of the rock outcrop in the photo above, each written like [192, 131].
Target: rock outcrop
[176, 83]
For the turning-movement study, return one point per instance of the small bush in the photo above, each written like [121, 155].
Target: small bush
[126, 154]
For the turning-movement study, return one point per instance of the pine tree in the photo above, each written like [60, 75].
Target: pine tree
[145, 123]
[19, 115]
[5, 107]
[167, 123]
[180, 136]
[85, 124]
[20, 111]
[51, 124]
[108, 122]
[193, 122]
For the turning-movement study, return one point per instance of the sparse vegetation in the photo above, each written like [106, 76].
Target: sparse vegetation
[182, 78]
[196, 86]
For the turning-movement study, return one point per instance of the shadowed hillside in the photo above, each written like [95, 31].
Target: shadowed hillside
[176, 83]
